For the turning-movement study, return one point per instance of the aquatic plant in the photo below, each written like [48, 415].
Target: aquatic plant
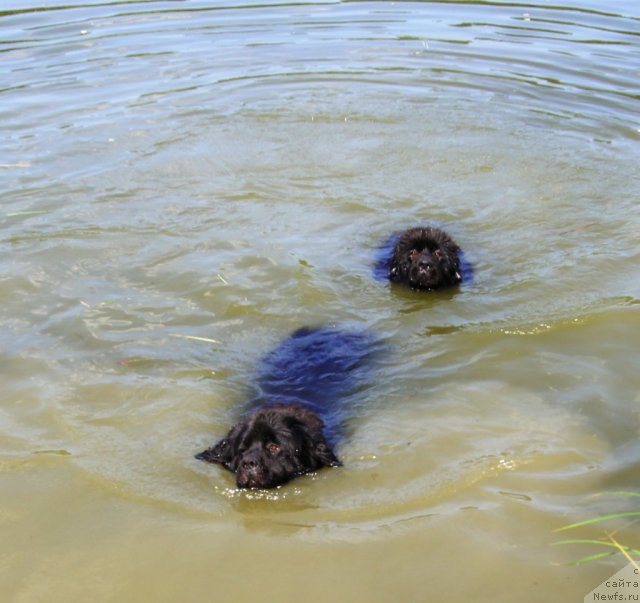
[609, 544]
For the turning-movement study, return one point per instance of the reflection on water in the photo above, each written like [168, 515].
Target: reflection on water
[186, 183]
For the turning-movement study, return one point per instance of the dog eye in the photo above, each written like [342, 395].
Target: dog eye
[273, 448]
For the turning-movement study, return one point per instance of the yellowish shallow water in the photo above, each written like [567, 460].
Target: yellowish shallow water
[176, 171]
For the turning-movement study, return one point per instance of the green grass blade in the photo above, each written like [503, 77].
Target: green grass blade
[592, 558]
[594, 520]
[598, 542]
[617, 493]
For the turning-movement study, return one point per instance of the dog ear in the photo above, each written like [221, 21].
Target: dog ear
[322, 453]
[316, 449]
[220, 453]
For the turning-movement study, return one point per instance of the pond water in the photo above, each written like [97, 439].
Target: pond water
[185, 183]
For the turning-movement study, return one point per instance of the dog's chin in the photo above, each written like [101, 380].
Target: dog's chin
[253, 479]
[258, 478]
[250, 482]
[426, 279]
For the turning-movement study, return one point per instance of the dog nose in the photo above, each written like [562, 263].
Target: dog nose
[250, 464]
[425, 265]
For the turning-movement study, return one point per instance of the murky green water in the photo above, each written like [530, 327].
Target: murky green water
[174, 170]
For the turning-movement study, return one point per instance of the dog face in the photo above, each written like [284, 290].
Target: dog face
[272, 445]
[425, 259]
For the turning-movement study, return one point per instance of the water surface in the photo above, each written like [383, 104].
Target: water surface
[186, 183]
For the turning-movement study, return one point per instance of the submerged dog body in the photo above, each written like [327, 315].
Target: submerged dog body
[425, 258]
[305, 376]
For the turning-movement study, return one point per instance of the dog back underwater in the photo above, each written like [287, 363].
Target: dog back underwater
[303, 384]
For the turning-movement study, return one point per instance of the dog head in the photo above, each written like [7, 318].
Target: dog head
[272, 445]
[425, 258]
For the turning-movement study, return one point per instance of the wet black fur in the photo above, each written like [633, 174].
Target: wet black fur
[302, 383]
[272, 445]
[425, 258]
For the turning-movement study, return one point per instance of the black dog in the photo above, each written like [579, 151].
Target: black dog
[305, 376]
[425, 258]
